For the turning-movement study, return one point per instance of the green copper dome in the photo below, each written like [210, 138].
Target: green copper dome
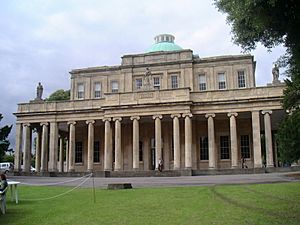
[164, 42]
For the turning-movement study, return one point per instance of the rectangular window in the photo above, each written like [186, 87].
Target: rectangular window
[80, 91]
[114, 86]
[241, 79]
[203, 148]
[141, 151]
[138, 83]
[97, 87]
[96, 151]
[202, 82]
[245, 146]
[174, 81]
[221, 81]
[78, 152]
[156, 83]
[224, 147]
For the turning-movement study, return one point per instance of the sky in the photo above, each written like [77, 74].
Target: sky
[42, 41]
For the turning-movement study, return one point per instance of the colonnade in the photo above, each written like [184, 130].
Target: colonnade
[45, 164]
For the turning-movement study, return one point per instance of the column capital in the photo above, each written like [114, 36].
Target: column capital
[90, 121]
[71, 122]
[26, 124]
[117, 119]
[44, 123]
[187, 114]
[210, 115]
[135, 118]
[106, 119]
[175, 115]
[266, 112]
[157, 116]
[230, 114]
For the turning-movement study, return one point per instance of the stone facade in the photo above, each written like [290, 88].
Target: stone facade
[199, 113]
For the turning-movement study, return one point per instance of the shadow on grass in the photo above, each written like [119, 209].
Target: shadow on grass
[271, 213]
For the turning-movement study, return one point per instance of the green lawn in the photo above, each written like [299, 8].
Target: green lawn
[225, 204]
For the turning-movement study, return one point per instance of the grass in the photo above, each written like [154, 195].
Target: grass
[230, 204]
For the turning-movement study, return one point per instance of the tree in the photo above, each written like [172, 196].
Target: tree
[273, 22]
[59, 95]
[289, 138]
[4, 143]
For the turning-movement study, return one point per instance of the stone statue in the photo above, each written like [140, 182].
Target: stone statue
[39, 91]
[275, 72]
[147, 79]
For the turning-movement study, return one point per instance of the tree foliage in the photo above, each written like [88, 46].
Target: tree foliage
[289, 138]
[59, 95]
[4, 143]
[273, 22]
[270, 22]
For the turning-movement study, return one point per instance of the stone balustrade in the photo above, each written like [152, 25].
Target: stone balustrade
[153, 97]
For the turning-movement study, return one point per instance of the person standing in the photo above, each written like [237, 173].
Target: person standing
[160, 165]
[3, 182]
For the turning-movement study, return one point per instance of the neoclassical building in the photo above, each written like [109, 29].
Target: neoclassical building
[165, 104]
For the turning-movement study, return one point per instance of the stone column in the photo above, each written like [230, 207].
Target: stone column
[118, 144]
[61, 154]
[107, 145]
[176, 140]
[256, 139]
[72, 142]
[233, 140]
[44, 149]
[18, 150]
[158, 152]
[90, 155]
[53, 147]
[67, 154]
[38, 151]
[188, 140]
[135, 142]
[268, 138]
[27, 148]
[211, 140]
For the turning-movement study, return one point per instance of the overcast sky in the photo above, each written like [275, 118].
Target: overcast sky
[41, 41]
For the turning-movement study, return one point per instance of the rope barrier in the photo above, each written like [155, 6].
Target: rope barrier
[64, 193]
[57, 183]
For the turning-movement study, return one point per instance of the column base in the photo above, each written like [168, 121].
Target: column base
[71, 170]
[270, 166]
[258, 166]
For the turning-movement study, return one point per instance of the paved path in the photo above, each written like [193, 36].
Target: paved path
[140, 182]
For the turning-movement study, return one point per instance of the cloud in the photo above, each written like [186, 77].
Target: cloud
[44, 40]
